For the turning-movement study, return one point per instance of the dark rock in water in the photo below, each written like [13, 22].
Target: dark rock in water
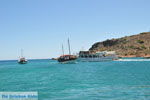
[54, 59]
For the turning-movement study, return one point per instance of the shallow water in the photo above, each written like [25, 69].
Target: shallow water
[116, 80]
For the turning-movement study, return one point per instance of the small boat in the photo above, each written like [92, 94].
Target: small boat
[67, 58]
[22, 59]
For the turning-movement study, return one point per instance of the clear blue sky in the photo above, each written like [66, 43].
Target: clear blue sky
[41, 26]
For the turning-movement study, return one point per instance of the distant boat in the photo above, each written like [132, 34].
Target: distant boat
[88, 56]
[67, 58]
[22, 59]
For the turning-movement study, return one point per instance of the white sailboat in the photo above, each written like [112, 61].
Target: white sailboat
[22, 59]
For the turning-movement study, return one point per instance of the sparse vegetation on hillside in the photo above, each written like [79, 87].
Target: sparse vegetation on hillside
[137, 45]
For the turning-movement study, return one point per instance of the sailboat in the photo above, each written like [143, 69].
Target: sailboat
[67, 58]
[22, 59]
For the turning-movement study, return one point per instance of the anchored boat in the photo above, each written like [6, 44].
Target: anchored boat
[22, 59]
[67, 58]
[92, 56]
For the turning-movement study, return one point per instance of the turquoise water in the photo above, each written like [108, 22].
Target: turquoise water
[116, 80]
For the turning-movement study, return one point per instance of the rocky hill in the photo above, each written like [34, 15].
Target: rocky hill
[129, 46]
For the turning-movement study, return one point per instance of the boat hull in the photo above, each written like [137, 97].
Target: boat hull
[69, 62]
[22, 62]
[67, 59]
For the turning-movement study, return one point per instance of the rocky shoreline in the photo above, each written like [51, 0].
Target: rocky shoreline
[128, 46]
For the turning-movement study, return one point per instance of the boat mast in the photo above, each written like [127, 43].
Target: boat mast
[69, 46]
[62, 49]
[21, 52]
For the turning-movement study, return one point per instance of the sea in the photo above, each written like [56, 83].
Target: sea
[125, 79]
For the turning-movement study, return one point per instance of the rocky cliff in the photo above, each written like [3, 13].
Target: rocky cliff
[129, 46]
